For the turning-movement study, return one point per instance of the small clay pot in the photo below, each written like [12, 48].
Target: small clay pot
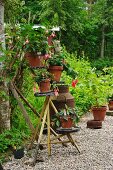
[99, 112]
[44, 86]
[56, 71]
[66, 123]
[35, 60]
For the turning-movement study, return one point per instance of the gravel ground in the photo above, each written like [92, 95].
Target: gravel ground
[96, 146]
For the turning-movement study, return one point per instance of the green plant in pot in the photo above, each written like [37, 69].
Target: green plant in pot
[43, 79]
[56, 65]
[99, 94]
[18, 152]
[36, 45]
[67, 117]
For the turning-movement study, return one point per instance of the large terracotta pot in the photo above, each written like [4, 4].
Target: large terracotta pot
[66, 123]
[56, 71]
[110, 105]
[35, 60]
[99, 112]
[63, 98]
[44, 85]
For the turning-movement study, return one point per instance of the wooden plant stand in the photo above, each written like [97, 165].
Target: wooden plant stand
[45, 119]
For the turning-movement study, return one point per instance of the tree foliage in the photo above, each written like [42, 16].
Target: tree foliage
[81, 21]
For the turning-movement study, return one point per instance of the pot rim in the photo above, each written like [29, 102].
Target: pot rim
[55, 67]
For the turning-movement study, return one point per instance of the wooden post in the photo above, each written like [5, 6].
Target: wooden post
[48, 132]
[36, 133]
[24, 112]
[25, 100]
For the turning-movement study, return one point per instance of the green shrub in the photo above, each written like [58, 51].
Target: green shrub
[87, 79]
[11, 138]
[101, 63]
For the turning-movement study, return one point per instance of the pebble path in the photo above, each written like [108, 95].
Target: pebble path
[96, 146]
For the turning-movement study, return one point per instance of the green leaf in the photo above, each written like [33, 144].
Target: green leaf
[2, 59]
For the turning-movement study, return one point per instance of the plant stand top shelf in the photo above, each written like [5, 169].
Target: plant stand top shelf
[49, 93]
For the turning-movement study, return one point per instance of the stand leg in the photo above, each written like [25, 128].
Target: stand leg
[53, 132]
[72, 141]
[40, 136]
[48, 130]
[36, 134]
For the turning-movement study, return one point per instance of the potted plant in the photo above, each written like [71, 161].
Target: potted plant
[99, 95]
[67, 117]
[56, 65]
[18, 152]
[43, 79]
[35, 46]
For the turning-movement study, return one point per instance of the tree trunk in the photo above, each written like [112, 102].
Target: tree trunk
[103, 42]
[4, 92]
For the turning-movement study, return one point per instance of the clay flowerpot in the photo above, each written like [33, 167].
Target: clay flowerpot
[35, 60]
[66, 123]
[56, 71]
[110, 105]
[44, 85]
[99, 112]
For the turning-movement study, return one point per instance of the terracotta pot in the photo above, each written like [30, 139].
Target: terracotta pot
[56, 71]
[110, 105]
[99, 112]
[66, 123]
[44, 85]
[35, 60]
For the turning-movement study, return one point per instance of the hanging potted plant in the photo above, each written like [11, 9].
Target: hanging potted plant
[67, 117]
[56, 66]
[43, 79]
[36, 45]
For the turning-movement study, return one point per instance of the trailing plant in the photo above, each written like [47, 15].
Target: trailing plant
[43, 74]
[56, 60]
[35, 39]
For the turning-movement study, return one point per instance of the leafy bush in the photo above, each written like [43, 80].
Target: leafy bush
[101, 63]
[87, 79]
[11, 138]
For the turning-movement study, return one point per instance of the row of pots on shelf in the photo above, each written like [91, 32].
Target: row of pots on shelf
[53, 74]
[49, 69]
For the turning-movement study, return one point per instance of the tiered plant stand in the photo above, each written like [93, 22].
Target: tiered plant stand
[45, 119]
